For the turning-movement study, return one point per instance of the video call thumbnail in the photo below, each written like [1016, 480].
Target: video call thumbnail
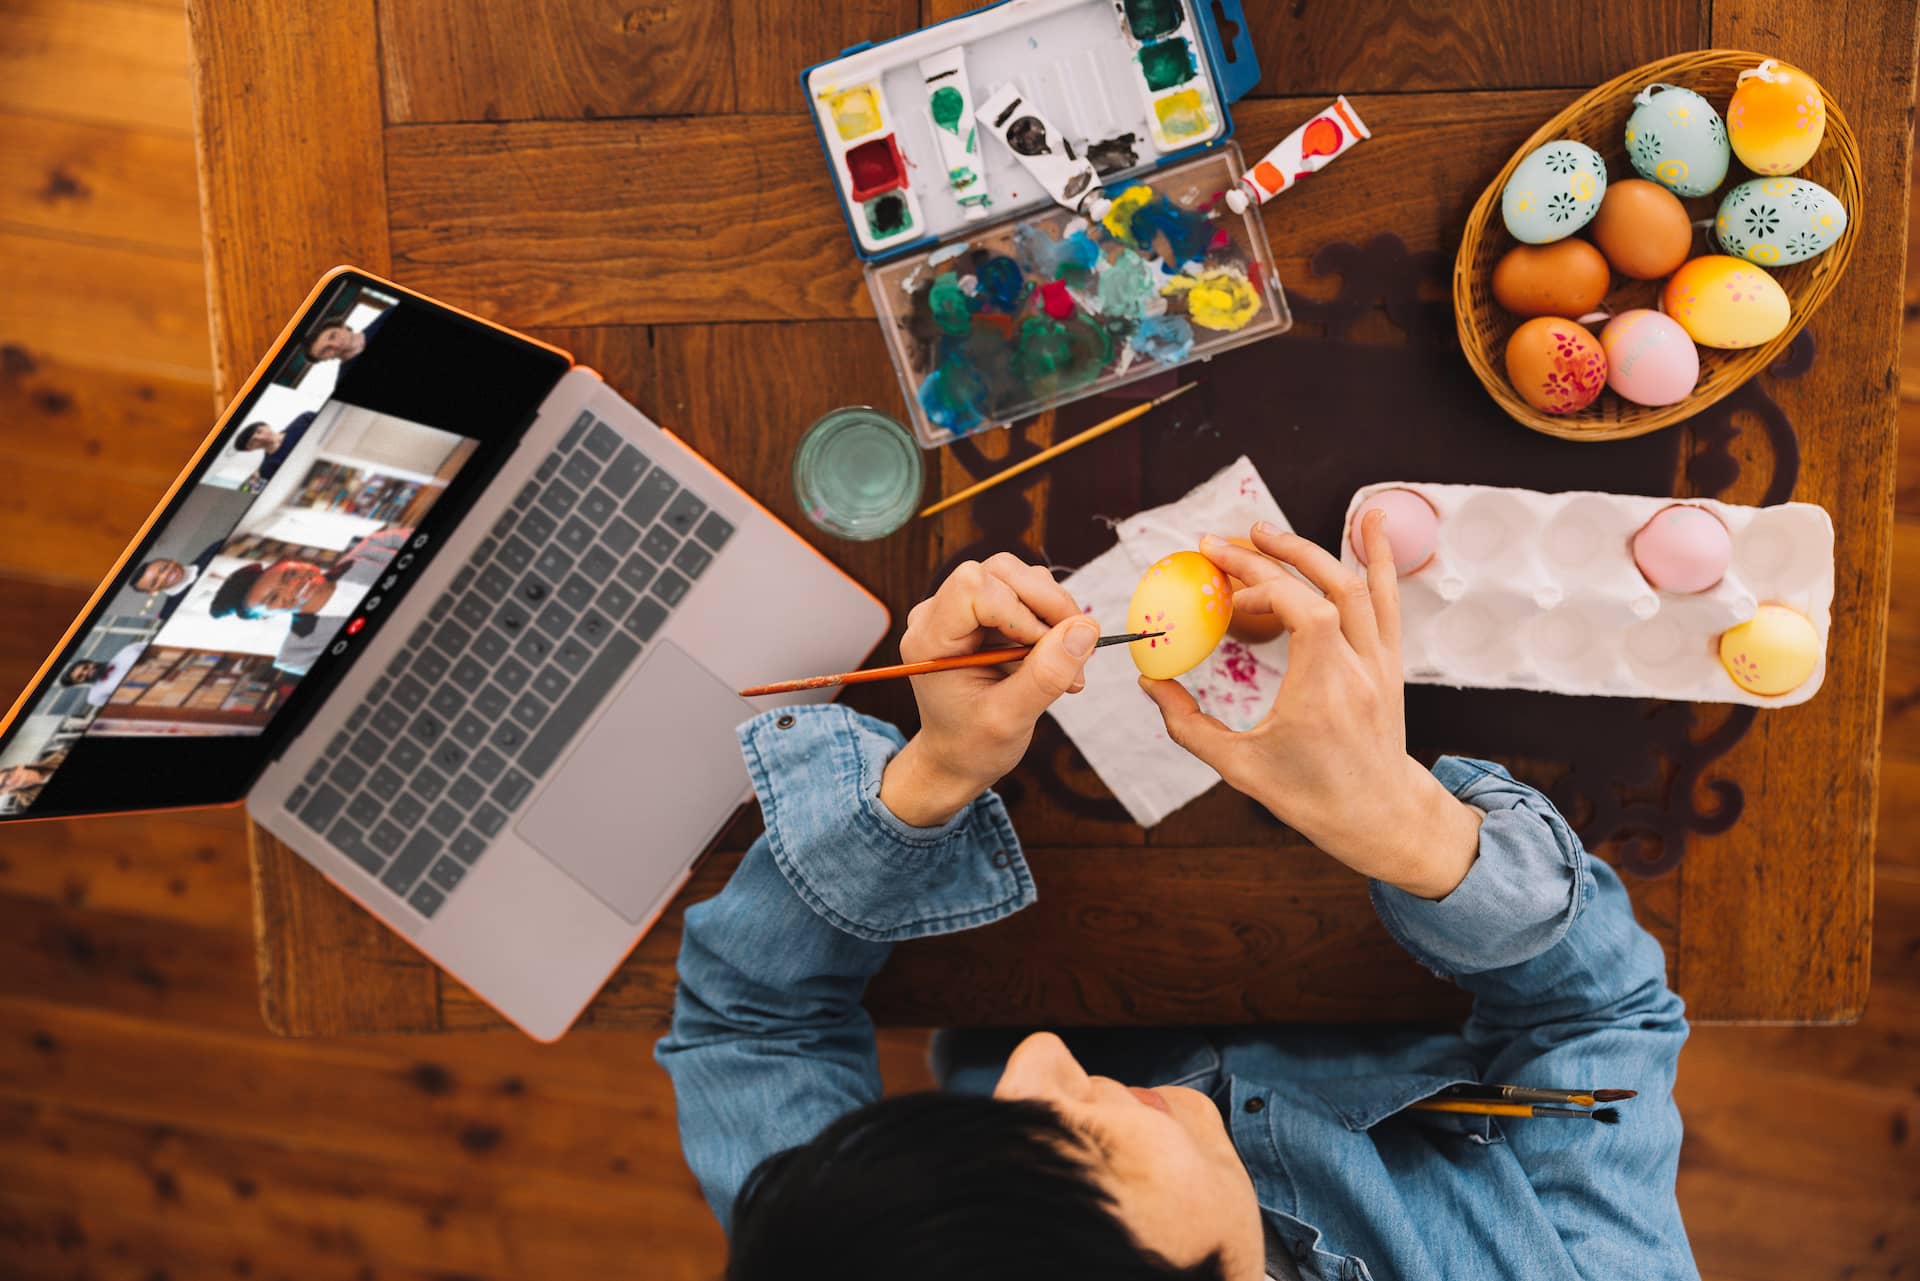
[291, 525]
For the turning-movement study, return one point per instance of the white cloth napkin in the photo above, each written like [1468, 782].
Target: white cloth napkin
[1115, 726]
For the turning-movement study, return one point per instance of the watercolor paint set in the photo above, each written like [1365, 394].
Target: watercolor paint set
[1011, 107]
[1032, 312]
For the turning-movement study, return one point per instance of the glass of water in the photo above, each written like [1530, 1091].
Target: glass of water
[858, 473]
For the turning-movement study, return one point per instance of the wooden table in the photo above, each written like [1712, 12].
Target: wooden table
[553, 167]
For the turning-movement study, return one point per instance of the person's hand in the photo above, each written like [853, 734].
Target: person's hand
[1330, 759]
[976, 722]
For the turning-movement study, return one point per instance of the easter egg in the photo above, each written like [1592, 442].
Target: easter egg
[1643, 229]
[1683, 549]
[1413, 528]
[1184, 596]
[1771, 653]
[1776, 221]
[1555, 192]
[1726, 302]
[1776, 119]
[1650, 359]
[1565, 278]
[1676, 138]
[1555, 365]
[1252, 629]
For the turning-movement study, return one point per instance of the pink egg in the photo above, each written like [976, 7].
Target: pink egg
[1683, 549]
[1650, 359]
[1413, 527]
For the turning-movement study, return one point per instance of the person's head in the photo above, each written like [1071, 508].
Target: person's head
[1058, 1174]
[263, 591]
[84, 672]
[258, 436]
[335, 342]
[159, 575]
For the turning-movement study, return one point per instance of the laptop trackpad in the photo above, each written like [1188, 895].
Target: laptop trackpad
[648, 787]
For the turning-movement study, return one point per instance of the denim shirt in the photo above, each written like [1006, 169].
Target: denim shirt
[770, 1043]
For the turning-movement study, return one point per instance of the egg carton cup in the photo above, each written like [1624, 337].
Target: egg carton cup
[1527, 590]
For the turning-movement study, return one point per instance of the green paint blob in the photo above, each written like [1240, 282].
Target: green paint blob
[1127, 286]
[1167, 64]
[1056, 356]
[1150, 18]
[949, 304]
[947, 106]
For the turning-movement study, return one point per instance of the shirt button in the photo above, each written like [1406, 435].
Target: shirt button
[1256, 1104]
[1002, 859]
[785, 722]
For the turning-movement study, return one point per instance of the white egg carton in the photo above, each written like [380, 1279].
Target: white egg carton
[1539, 591]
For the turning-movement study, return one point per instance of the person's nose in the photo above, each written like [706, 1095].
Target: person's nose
[1041, 1067]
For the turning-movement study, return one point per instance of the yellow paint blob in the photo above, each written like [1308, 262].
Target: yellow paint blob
[1183, 114]
[1217, 297]
[1186, 596]
[1772, 653]
[1119, 219]
[855, 112]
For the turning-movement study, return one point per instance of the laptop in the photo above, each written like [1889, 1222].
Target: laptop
[457, 624]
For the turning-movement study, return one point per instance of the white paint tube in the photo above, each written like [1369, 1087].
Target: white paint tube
[1069, 178]
[950, 107]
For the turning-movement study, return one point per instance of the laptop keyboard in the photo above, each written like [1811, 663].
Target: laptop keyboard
[535, 630]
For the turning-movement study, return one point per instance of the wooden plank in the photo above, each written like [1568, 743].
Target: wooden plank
[1898, 845]
[1906, 496]
[316, 128]
[126, 310]
[774, 39]
[131, 186]
[105, 61]
[615, 222]
[1800, 863]
[187, 868]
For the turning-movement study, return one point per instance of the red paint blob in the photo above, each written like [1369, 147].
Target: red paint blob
[1055, 298]
[876, 167]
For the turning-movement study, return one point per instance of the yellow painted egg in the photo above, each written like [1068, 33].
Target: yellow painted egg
[1776, 119]
[1771, 653]
[1724, 302]
[1186, 596]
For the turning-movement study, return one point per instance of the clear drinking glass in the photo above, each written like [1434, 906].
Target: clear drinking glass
[858, 474]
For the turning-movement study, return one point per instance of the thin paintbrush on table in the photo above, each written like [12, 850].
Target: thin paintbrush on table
[981, 658]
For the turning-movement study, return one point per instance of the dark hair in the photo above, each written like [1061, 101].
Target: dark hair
[939, 1187]
[68, 678]
[231, 600]
[336, 322]
[245, 440]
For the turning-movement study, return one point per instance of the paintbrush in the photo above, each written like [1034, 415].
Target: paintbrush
[1477, 1107]
[980, 658]
[1530, 1094]
[1120, 419]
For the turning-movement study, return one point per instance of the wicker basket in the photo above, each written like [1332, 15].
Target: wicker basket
[1599, 119]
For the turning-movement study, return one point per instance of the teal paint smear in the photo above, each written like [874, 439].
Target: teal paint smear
[1051, 259]
[947, 106]
[1167, 64]
[1168, 339]
[952, 309]
[1128, 286]
[954, 397]
[1060, 356]
[1151, 18]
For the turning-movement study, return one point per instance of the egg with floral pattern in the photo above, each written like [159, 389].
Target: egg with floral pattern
[1185, 597]
[1726, 302]
[1677, 139]
[1554, 192]
[1776, 119]
[1556, 365]
[1776, 221]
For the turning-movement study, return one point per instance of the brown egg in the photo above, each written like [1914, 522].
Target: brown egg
[1556, 365]
[1251, 629]
[1643, 229]
[1565, 278]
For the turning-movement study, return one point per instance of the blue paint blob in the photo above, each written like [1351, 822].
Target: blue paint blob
[954, 397]
[1188, 232]
[1050, 259]
[1167, 339]
[1003, 286]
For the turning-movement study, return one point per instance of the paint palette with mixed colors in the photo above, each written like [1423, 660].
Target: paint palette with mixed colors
[1127, 85]
[1032, 312]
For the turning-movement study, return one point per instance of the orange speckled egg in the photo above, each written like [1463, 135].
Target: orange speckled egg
[1776, 119]
[1184, 595]
[1643, 229]
[1725, 302]
[1565, 278]
[1556, 365]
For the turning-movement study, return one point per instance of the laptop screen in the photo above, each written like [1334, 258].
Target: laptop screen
[370, 431]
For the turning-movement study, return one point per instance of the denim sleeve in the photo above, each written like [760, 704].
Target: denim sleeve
[1570, 993]
[769, 1042]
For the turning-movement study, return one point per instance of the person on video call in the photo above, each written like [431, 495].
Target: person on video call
[274, 445]
[103, 678]
[20, 785]
[335, 341]
[1204, 1154]
[302, 592]
[172, 579]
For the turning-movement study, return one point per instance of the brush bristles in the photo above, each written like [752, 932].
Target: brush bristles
[1607, 1116]
[1613, 1096]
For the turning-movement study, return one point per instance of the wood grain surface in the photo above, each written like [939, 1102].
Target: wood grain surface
[147, 1125]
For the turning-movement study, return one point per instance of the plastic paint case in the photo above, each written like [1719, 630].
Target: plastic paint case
[1192, 186]
[1099, 70]
[1538, 591]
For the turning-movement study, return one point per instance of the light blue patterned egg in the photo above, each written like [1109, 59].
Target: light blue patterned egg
[1555, 192]
[1776, 221]
[1677, 139]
